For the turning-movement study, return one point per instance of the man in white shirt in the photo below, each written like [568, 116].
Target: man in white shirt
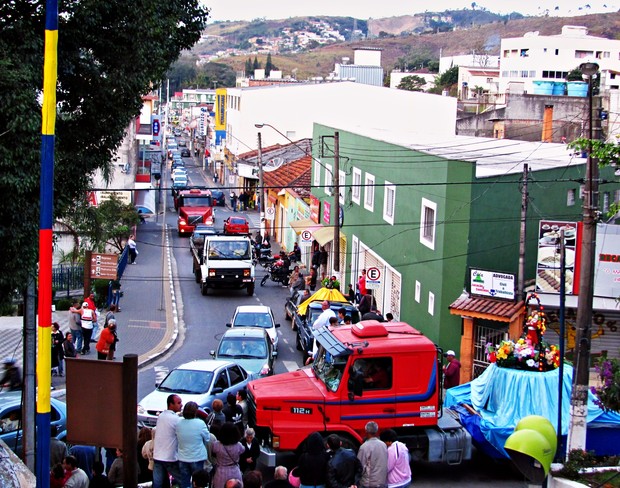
[323, 319]
[165, 451]
[77, 477]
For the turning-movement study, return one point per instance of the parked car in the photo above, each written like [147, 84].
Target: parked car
[256, 316]
[182, 142]
[249, 347]
[11, 427]
[177, 164]
[185, 153]
[180, 182]
[179, 170]
[200, 381]
[236, 225]
[219, 199]
[292, 302]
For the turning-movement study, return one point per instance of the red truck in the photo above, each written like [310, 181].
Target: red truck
[386, 372]
[195, 207]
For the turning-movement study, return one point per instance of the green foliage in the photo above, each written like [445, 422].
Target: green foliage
[608, 390]
[412, 83]
[579, 460]
[269, 66]
[446, 80]
[63, 304]
[100, 289]
[109, 56]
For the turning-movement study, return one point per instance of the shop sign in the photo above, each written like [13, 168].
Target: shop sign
[492, 284]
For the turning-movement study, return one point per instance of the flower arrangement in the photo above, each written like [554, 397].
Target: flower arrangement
[608, 392]
[523, 354]
[530, 352]
[331, 283]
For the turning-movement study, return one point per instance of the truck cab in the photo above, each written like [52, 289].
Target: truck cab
[195, 207]
[386, 372]
[224, 262]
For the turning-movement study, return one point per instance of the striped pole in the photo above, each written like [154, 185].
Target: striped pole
[44, 362]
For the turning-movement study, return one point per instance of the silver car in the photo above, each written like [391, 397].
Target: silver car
[200, 381]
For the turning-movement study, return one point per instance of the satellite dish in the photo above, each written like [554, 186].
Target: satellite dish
[273, 164]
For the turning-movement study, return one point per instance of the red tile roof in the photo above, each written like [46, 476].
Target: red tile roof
[488, 308]
[294, 176]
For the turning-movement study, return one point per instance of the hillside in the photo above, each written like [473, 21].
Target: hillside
[480, 38]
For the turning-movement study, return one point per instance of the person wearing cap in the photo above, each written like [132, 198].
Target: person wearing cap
[89, 317]
[451, 371]
[12, 377]
[106, 344]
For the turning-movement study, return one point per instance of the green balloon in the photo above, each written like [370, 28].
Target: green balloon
[540, 424]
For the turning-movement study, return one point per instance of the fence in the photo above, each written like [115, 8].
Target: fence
[66, 278]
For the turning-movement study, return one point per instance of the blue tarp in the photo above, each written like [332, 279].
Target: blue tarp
[503, 396]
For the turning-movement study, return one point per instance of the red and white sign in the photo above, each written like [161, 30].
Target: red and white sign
[373, 278]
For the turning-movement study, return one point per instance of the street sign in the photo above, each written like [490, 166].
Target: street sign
[103, 266]
[306, 238]
[270, 213]
[156, 127]
[373, 278]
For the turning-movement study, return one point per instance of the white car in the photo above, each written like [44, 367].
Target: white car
[256, 316]
[178, 171]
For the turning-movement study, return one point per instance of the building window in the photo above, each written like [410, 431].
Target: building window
[316, 182]
[524, 53]
[506, 53]
[582, 191]
[389, 202]
[342, 185]
[357, 185]
[427, 223]
[328, 181]
[557, 52]
[570, 198]
[418, 291]
[431, 303]
[369, 192]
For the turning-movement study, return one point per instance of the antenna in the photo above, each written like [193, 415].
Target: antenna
[273, 164]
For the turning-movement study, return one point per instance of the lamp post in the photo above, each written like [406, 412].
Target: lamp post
[581, 374]
[261, 184]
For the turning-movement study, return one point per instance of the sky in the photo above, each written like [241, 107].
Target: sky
[364, 9]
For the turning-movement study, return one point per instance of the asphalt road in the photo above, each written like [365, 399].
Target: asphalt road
[203, 321]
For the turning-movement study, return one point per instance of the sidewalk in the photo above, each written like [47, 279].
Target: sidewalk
[148, 322]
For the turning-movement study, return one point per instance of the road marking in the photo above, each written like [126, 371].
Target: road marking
[285, 340]
[147, 324]
[290, 365]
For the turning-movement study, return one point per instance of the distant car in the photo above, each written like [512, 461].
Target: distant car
[249, 347]
[197, 239]
[256, 316]
[177, 164]
[185, 153]
[292, 302]
[11, 425]
[179, 170]
[200, 381]
[236, 225]
[180, 182]
[182, 142]
[219, 199]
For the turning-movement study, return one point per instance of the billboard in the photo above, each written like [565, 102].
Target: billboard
[548, 269]
[607, 261]
[220, 109]
[492, 284]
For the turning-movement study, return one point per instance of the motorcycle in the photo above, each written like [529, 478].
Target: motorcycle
[262, 255]
[278, 272]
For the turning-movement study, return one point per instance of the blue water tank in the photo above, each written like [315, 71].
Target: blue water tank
[559, 88]
[543, 87]
[577, 89]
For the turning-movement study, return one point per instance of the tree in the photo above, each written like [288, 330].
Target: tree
[412, 83]
[248, 67]
[256, 64]
[446, 80]
[269, 66]
[109, 56]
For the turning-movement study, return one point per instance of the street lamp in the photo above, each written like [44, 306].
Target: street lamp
[581, 374]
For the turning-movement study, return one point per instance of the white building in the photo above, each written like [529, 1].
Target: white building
[292, 109]
[397, 76]
[533, 57]
[472, 60]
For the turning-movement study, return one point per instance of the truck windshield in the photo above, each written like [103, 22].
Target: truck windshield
[229, 250]
[328, 368]
[203, 201]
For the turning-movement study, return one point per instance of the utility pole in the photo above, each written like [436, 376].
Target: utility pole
[261, 184]
[581, 374]
[336, 180]
[522, 234]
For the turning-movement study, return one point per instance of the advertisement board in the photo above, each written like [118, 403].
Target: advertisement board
[220, 109]
[492, 284]
[607, 261]
[548, 259]
[326, 212]
[315, 207]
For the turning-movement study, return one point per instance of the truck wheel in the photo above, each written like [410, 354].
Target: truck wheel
[264, 280]
[251, 289]
[204, 289]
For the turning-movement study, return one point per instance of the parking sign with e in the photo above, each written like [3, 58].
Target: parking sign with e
[373, 274]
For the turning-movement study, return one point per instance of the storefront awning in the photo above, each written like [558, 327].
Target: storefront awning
[320, 233]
